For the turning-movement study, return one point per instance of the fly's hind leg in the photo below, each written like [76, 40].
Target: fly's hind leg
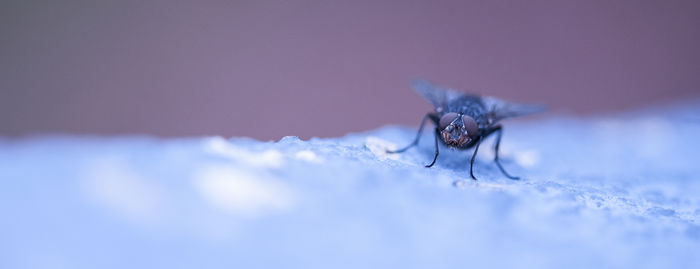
[415, 141]
[499, 130]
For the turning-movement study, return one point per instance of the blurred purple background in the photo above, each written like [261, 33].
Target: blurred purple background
[267, 69]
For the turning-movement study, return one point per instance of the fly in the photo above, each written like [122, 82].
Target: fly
[463, 120]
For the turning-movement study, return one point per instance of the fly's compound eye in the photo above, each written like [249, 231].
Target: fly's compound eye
[469, 125]
[447, 119]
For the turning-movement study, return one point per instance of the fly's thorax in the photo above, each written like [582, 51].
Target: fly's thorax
[456, 129]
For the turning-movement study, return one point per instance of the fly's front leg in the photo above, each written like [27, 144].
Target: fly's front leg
[437, 150]
[499, 130]
[471, 162]
[415, 141]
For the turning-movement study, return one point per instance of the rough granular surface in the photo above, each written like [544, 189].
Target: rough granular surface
[620, 190]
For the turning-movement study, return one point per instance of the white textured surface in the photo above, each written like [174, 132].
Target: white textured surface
[615, 191]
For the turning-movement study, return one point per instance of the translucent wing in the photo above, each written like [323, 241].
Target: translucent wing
[495, 109]
[499, 109]
[436, 95]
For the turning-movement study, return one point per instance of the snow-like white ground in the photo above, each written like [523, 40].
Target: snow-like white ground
[610, 191]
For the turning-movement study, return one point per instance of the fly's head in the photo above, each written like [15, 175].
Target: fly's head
[457, 130]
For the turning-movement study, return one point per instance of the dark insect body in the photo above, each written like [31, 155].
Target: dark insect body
[463, 121]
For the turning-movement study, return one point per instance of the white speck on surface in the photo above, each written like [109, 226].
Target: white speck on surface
[379, 147]
[221, 147]
[112, 183]
[527, 158]
[309, 156]
[241, 192]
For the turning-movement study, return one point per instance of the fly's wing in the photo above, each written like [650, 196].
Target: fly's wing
[436, 95]
[499, 109]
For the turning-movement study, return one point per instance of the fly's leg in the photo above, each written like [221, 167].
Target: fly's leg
[437, 151]
[499, 131]
[415, 141]
[471, 162]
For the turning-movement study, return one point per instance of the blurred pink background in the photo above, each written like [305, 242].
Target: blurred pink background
[267, 69]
